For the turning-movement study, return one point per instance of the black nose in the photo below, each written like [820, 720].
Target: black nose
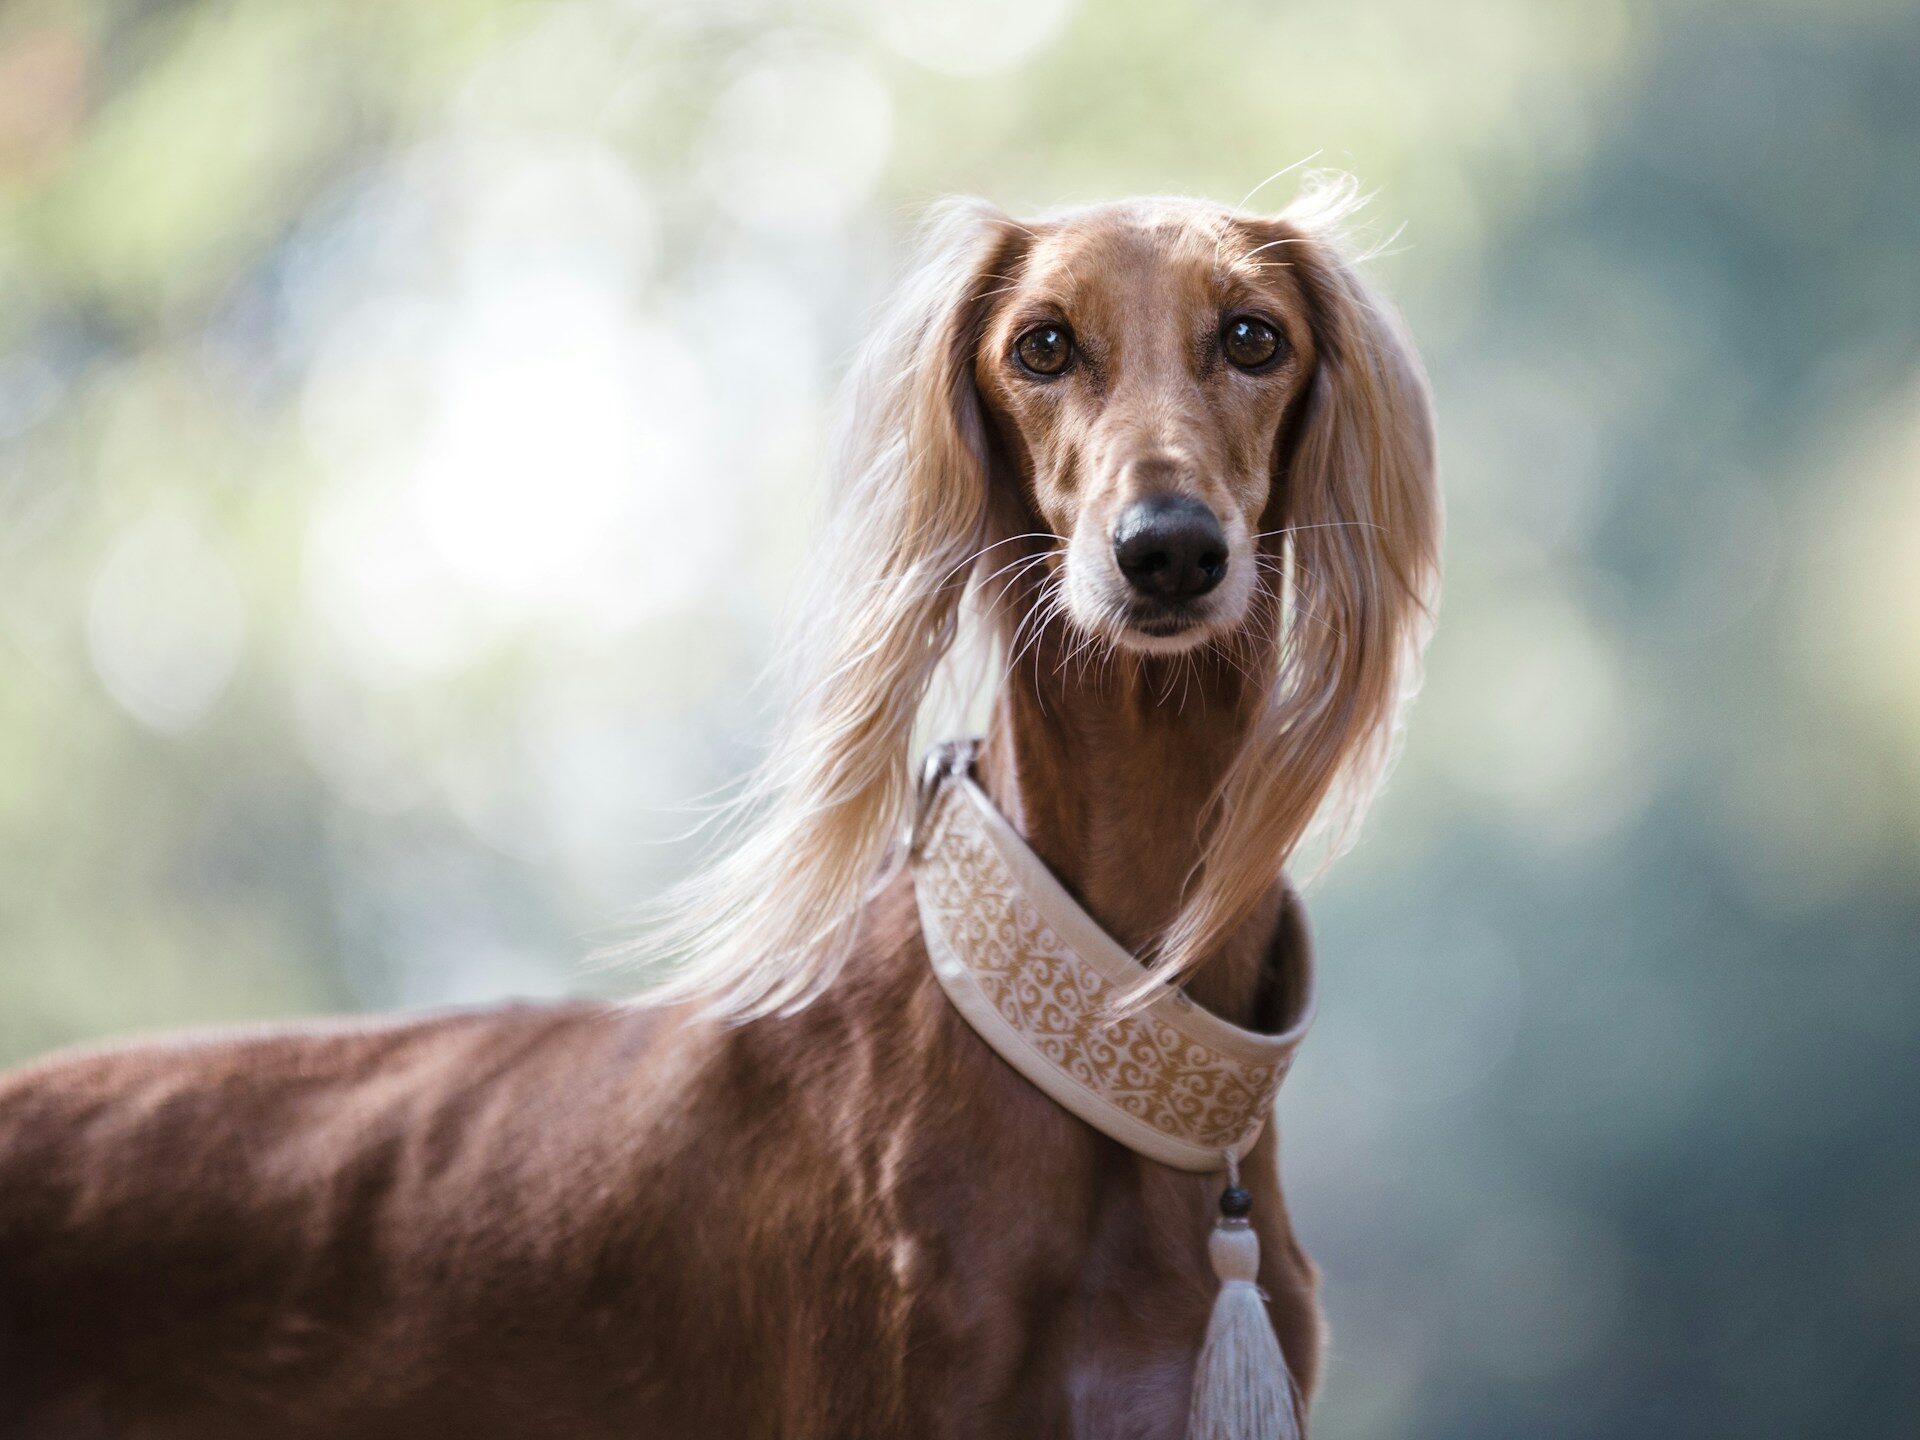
[1170, 547]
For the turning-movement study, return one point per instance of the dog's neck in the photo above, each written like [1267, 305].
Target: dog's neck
[1107, 769]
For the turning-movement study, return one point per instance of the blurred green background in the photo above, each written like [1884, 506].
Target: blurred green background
[409, 424]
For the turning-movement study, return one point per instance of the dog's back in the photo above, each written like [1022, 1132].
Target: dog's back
[298, 1232]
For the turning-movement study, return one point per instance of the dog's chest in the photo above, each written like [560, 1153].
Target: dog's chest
[1112, 1358]
[1129, 1398]
[1135, 1325]
[1080, 1314]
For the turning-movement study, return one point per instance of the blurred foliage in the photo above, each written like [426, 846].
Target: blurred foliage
[408, 426]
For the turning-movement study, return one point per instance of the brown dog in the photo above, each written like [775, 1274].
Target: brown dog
[1184, 457]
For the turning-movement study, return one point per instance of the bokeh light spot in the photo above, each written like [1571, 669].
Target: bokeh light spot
[165, 622]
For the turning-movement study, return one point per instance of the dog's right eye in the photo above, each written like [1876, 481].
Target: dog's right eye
[1250, 344]
[1045, 349]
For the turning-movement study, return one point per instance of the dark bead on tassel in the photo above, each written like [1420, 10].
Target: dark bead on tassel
[1235, 1203]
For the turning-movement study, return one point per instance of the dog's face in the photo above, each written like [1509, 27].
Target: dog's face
[1138, 365]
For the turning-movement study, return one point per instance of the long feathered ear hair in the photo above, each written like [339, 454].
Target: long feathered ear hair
[767, 926]
[1361, 561]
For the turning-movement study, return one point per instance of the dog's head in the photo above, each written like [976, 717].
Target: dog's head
[1138, 367]
[1182, 402]
[1177, 427]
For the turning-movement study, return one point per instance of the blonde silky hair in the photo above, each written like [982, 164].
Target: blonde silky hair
[770, 923]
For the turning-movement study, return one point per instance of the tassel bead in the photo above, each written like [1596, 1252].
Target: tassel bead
[1235, 1253]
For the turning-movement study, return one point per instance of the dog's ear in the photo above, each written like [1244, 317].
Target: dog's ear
[910, 409]
[770, 923]
[1361, 471]
[1356, 492]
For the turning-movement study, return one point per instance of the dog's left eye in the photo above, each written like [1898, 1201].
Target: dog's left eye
[1045, 349]
[1250, 343]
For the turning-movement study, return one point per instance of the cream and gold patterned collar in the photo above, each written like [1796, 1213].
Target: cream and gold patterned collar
[1037, 977]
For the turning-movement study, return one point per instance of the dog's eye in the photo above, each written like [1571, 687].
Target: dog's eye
[1045, 349]
[1251, 344]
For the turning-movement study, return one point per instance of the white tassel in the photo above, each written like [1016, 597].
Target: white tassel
[1241, 1387]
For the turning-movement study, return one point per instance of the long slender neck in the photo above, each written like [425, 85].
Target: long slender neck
[1106, 768]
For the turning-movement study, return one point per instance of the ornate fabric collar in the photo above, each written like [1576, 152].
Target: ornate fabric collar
[1037, 977]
